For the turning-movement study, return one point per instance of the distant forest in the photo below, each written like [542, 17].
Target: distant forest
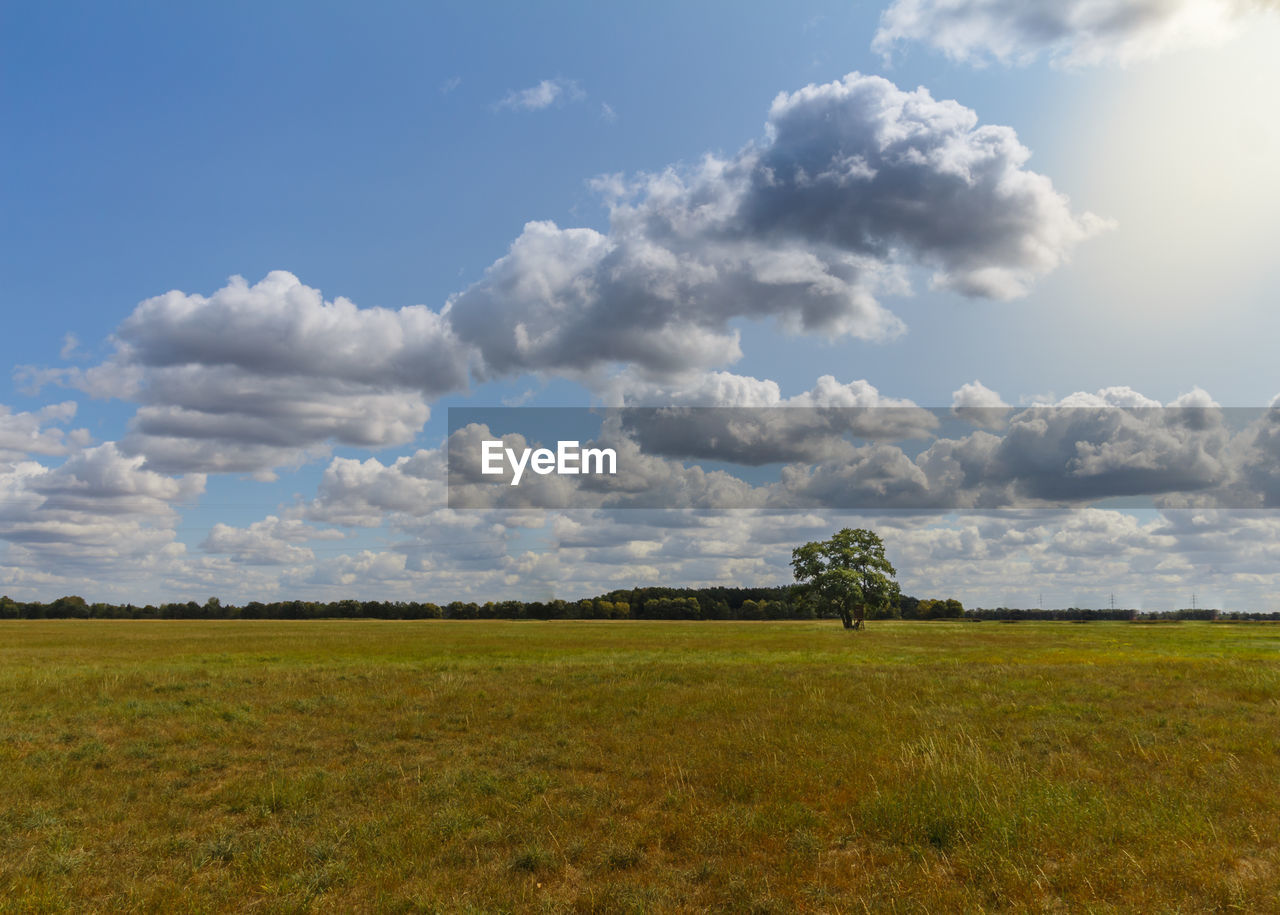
[780, 603]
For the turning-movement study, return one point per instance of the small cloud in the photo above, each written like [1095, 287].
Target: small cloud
[607, 112]
[520, 400]
[544, 95]
[70, 345]
[980, 405]
[450, 84]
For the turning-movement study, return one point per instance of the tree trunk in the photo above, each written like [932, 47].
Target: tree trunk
[846, 619]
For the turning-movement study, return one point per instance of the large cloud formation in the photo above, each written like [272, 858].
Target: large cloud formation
[855, 181]
[1071, 33]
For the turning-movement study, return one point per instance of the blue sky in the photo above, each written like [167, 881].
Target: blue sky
[390, 154]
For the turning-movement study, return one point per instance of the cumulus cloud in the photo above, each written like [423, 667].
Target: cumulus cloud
[215, 419]
[980, 405]
[101, 510]
[1087, 447]
[264, 375]
[545, 94]
[1070, 33]
[725, 417]
[279, 327]
[364, 493]
[855, 181]
[726, 389]
[24, 434]
[870, 477]
[271, 541]
[1097, 533]
[1257, 452]
[106, 481]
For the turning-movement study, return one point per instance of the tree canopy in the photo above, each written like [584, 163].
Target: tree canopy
[847, 574]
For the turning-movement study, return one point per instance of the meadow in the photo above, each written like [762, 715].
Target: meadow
[348, 766]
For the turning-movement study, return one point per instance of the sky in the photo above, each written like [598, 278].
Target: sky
[252, 254]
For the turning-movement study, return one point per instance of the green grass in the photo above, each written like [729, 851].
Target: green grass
[615, 767]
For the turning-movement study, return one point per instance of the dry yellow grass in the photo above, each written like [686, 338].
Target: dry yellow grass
[608, 767]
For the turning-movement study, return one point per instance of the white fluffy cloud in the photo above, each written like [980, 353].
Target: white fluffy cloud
[271, 541]
[1069, 32]
[264, 375]
[365, 493]
[855, 181]
[100, 514]
[980, 405]
[24, 434]
[746, 420]
[280, 328]
[1073, 557]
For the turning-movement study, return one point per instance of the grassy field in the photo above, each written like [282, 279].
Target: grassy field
[612, 767]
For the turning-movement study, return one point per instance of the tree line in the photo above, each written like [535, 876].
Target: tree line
[652, 603]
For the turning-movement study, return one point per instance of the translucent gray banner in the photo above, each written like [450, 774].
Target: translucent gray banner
[864, 458]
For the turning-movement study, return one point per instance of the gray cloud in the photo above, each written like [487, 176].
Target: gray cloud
[1086, 448]
[872, 476]
[725, 417]
[1069, 32]
[1259, 460]
[1114, 443]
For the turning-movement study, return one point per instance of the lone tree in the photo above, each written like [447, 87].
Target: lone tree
[847, 573]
